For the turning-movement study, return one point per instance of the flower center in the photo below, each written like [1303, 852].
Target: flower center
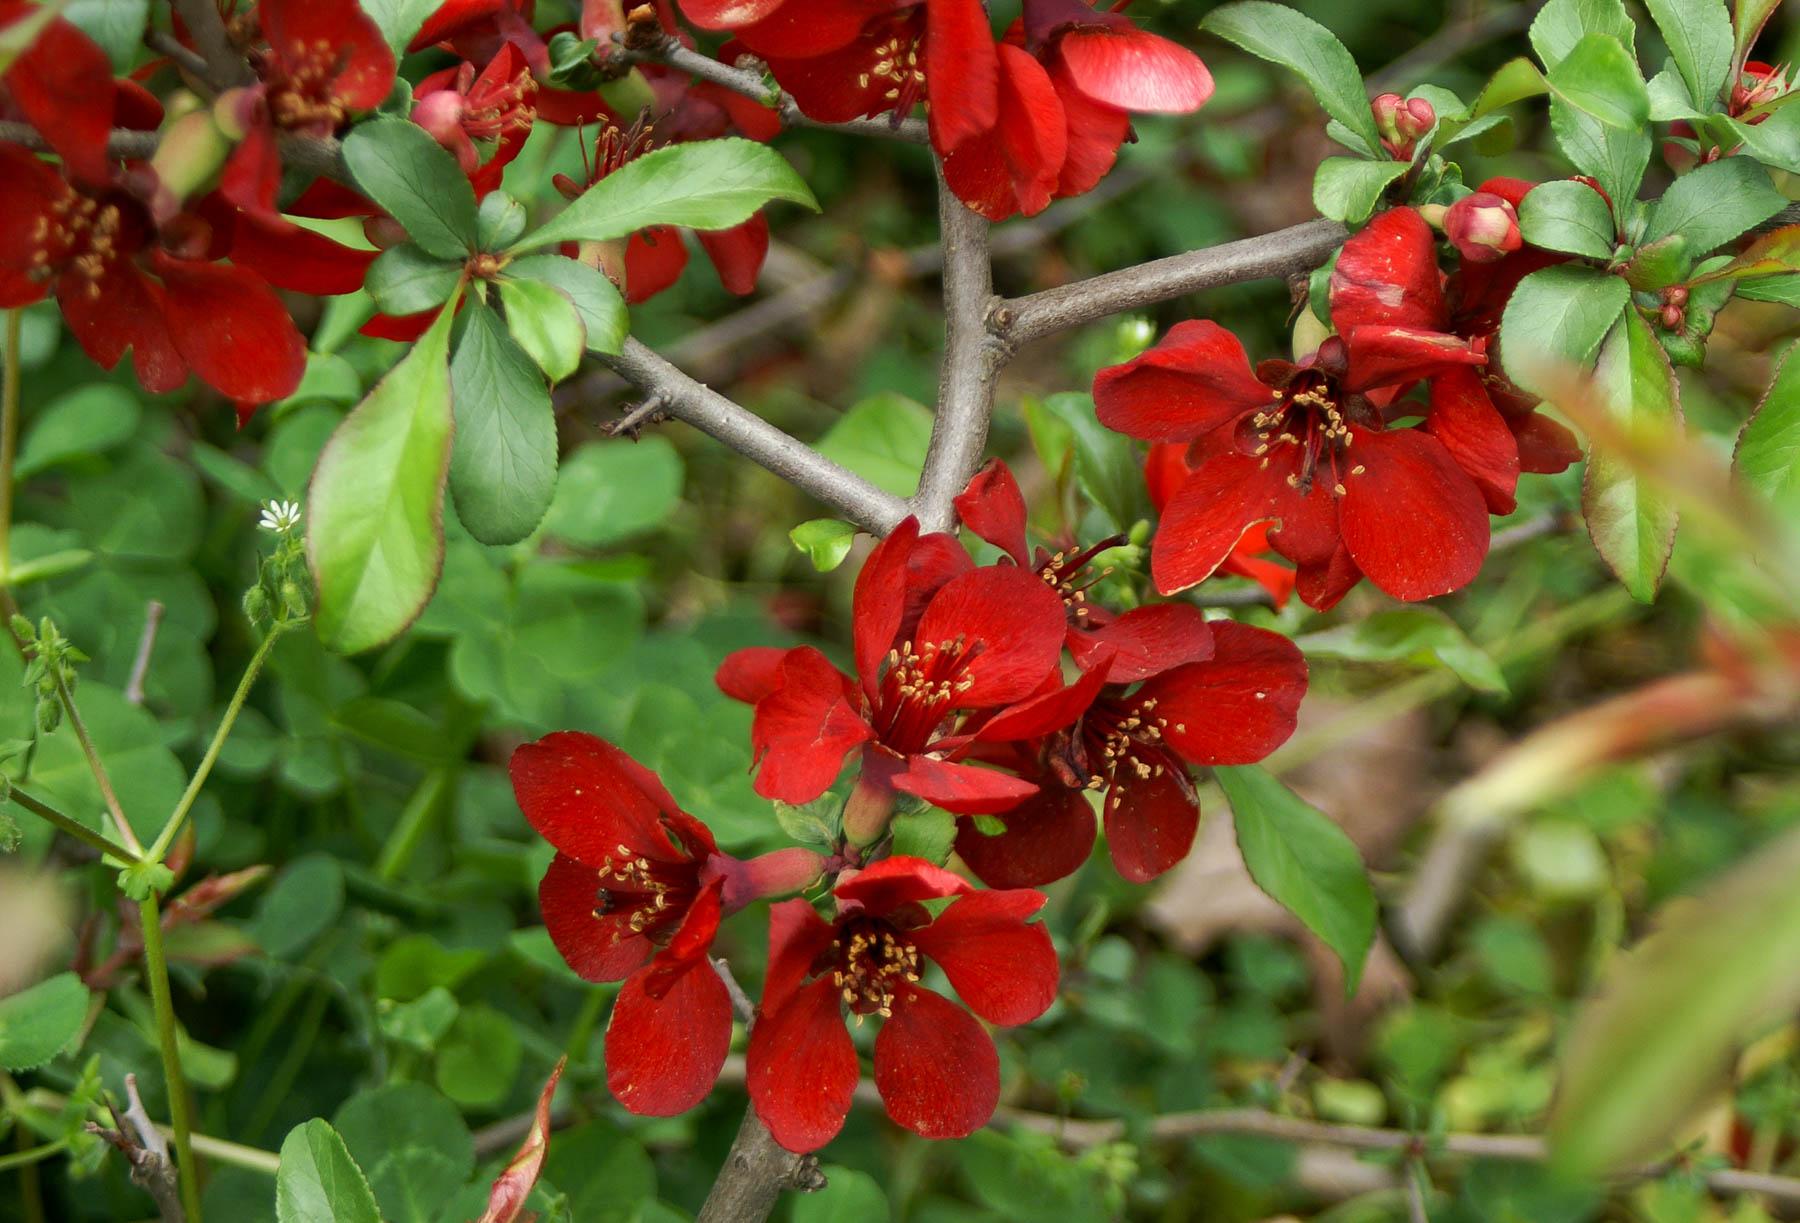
[873, 961]
[919, 689]
[647, 891]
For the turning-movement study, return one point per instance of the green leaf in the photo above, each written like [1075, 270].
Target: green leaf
[546, 324]
[1348, 188]
[882, 439]
[1768, 448]
[375, 509]
[706, 184]
[609, 491]
[406, 280]
[596, 298]
[1561, 24]
[1420, 635]
[89, 420]
[1712, 204]
[1304, 862]
[1565, 215]
[928, 833]
[1283, 36]
[1556, 320]
[503, 459]
[399, 166]
[824, 541]
[318, 1182]
[1698, 34]
[1674, 1014]
[1631, 522]
[38, 1023]
[1601, 78]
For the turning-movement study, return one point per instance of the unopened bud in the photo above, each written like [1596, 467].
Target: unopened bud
[1401, 121]
[1484, 227]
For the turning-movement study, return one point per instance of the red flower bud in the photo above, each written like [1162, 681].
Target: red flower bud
[1401, 121]
[1484, 227]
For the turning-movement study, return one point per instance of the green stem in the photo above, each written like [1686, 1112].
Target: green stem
[9, 438]
[156, 968]
[205, 768]
[72, 826]
[415, 820]
[31, 1155]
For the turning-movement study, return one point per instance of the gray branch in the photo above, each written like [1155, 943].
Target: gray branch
[757, 440]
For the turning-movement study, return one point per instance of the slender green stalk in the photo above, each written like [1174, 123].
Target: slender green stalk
[156, 968]
[9, 438]
[180, 814]
[415, 820]
[72, 826]
[30, 1155]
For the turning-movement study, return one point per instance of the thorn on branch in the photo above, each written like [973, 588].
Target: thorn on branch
[652, 411]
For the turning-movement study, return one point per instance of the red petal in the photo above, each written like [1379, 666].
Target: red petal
[295, 27]
[232, 329]
[1238, 706]
[1196, 379]
[298, 259]
[1011, 624]
[1047, 837]
[1001, 966]
[962, 72]
[936, 1067]
[654, 259]
[1095, 133]
[801, 1069]
[750, 674]
[1204, 522]
[1412, 520]
[994, 509]
[597, 948]
[804, 729]
[663, 1055]
[63, 85]
[1148, 640]
[1150, 824]
[797, 936]
[1473, 431]
[897, 881]
[737, 253]
[1135, 70]
[1387, 275]
[879, 603]
[587, 798]
[962, 788]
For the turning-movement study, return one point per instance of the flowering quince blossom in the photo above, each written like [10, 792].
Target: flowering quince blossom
[935, 1066]
[939, 645]
[636, 893]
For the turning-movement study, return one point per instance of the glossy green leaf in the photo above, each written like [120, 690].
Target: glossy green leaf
[1284, 36]
[1712, 204]
[1556, 321]
[609, 491]
[375, 529]
[1561, 24]
[596, 298]
[397, 164]
[545, 323]
[1698, 35]
[503, 460]
[1348, 188]
[707, 184]
[1673, 1014]
[38, 1023]
[1565, 215]
[1768, 448]
[1420, 635]
[824, 541]
[1305, 862]
[1601, 78]
[405, 279]
[318, 1182]
[1631, 521]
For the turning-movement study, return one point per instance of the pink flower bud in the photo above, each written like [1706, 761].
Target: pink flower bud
[1401, 121]
[1484, 227]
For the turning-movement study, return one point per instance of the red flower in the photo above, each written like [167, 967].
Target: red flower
[119, 288]
[936, 643]
[636, 893]
[460, 108]
[324, 61]
[935, 1066]
[1165, 468]
[62, 84]
[1133, 745]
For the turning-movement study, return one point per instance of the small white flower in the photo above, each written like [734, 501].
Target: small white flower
[280, 516]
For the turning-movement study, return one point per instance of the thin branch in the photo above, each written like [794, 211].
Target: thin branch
[757, 440]
[1299, 248]
[973, 358]
[140, 666]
